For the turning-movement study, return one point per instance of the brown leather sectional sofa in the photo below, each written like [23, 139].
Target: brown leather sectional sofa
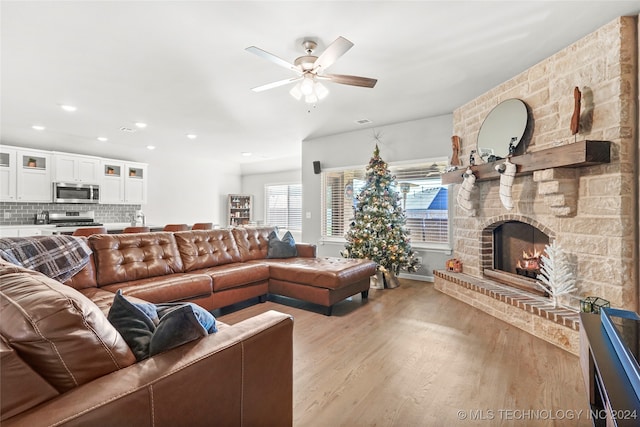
[215, 268]
[63, 363]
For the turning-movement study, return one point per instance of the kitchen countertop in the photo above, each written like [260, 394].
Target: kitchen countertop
[110, 226]
[52, 229]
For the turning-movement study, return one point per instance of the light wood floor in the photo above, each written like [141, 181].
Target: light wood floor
[412, 356]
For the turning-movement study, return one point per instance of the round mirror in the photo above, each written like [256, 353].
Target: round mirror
[502, 130]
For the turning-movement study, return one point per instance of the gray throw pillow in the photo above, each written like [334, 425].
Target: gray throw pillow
[150, 329]
[281, 248]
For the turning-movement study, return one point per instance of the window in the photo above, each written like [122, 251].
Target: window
[284, 206]
[423, 197]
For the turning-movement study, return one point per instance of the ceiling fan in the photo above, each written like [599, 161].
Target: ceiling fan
[310, 70]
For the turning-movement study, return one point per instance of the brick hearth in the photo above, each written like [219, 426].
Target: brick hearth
[531, 313]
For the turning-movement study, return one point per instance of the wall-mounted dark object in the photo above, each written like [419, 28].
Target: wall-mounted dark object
[316, 167]
[575, 119]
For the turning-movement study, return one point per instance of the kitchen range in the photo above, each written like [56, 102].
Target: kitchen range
[73, 219]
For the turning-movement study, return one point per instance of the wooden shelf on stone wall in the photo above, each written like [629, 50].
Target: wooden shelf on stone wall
[575, 155]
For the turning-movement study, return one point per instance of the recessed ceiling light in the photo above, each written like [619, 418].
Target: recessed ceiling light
[246, 154]
[102, 139]
[38, 127]
[141, 125]
[151, 147]
[69, 108]
[192, 136]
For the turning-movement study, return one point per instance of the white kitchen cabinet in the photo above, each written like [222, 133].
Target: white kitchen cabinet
[135, 183]
[73, 168]
[26, 175]
[7, 174]
[33, 176]
[123, 182]
[112, 184]
[26, 230]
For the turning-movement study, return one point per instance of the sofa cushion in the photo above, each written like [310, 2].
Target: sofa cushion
[103, 299]
[253, 242]
[281, 248]
[21, 387]
[206, 248]
[60, 333]
[126, 257]
[234, 275]
[171, 288]
[151, 329]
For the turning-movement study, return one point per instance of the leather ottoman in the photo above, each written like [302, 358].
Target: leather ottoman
[323, 281]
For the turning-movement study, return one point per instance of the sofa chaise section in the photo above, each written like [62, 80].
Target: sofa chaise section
[323, 281]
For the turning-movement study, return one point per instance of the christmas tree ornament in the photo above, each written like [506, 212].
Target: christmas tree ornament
[378, 230]
[464, 193]
[556, 273]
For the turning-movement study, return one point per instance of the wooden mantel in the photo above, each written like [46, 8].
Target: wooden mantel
[577, 154]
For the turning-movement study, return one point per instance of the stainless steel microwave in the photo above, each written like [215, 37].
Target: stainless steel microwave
[64, 192]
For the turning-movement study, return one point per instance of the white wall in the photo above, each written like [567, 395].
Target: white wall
[188, 189]
[413, 140]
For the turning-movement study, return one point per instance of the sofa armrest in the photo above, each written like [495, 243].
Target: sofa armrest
[242, 375]
[306, 250]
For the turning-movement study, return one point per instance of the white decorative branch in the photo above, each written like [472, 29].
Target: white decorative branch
[556, 273]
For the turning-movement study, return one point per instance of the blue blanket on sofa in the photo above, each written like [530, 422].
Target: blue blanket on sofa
[58, 257]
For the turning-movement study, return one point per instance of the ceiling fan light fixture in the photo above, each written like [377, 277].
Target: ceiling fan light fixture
[321, 90]
[306, 86]
[296, 92]
[310, 68]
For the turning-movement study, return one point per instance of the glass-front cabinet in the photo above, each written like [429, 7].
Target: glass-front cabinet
[33, 176]
[112, 186]
[7, 174]
[123, 182]
[135, 183]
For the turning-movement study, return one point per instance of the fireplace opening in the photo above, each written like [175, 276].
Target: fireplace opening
[517, 248]
[517, 251]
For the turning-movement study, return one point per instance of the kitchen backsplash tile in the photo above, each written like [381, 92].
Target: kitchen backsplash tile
[17, 213]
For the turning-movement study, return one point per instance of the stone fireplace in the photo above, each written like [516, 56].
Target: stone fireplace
[590, 210]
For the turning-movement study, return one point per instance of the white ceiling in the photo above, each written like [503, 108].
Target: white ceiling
[181, 67]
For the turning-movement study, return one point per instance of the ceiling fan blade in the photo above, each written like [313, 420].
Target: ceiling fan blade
[271, 57]
[335, 50]
[350, 80]
[275, 84]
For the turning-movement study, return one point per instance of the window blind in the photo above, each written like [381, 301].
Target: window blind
[422, 196]
[284, 206]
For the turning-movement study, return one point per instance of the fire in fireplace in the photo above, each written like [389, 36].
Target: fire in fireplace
[517, 251]
[529, 265]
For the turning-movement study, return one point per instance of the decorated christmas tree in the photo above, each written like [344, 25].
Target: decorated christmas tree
[378, 230]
